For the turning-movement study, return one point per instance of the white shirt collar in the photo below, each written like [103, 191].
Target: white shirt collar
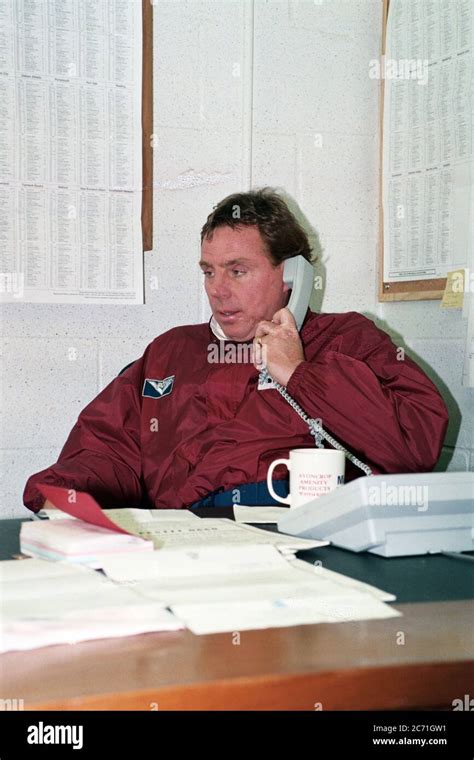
[217, 329]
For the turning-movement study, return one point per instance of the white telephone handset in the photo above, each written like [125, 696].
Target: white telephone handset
[298, 275]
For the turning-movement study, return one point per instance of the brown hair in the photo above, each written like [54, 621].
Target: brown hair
[281, 232]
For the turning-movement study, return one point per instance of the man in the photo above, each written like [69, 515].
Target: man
[178, 428]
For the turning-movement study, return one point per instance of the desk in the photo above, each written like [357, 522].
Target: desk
[422, 660]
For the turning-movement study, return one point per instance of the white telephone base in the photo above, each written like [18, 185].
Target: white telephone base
[392, 515]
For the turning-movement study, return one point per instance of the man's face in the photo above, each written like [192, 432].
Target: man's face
[242, 284]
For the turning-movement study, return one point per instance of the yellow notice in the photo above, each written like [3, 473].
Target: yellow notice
[453, 295]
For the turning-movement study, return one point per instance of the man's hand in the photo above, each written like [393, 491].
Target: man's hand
[277, 345]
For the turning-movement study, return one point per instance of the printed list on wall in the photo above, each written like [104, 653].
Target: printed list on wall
[71, 151]
[428, 139]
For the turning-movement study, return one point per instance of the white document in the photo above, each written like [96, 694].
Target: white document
[21, 634]
[281, 582]
[286, 611]
[71, 151]
[45, 603]
[428, 167]
[195, 562]
[57, 587]
[31, 569]
[181, 533]
[228, 573]
[215, 589]
[128, 518]
[245, 514]
[323, 574]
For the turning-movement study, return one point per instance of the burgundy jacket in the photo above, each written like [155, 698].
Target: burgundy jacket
[168, 444]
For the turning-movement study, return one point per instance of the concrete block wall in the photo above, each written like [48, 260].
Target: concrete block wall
[270, 92]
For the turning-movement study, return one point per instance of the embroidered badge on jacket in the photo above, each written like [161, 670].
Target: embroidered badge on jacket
[158, 388]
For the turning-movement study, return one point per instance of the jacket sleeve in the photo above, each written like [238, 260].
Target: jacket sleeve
[374, 400]
[102, 453]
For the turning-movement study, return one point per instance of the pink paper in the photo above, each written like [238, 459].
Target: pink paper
[84, 507]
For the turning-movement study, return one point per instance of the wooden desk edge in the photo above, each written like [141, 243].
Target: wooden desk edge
[427, 686]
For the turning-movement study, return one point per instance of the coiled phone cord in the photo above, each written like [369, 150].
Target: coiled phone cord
[315, 428]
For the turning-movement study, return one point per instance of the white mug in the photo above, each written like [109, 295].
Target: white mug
[313, 473]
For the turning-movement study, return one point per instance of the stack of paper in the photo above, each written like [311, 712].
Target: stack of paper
[76, 541]
[47, 603]
[234, 588]
[167, 528]
[79, 540]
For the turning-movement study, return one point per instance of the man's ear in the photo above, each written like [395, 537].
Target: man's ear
[286, 287]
